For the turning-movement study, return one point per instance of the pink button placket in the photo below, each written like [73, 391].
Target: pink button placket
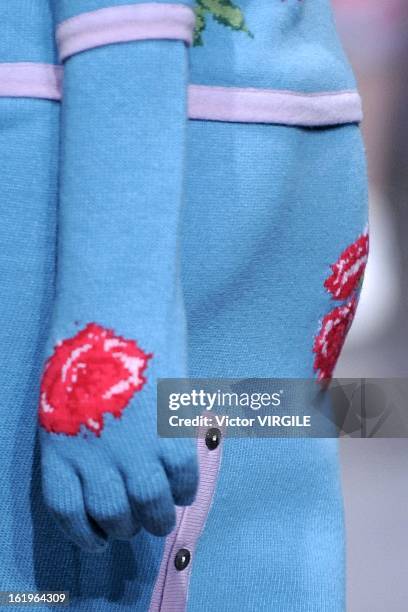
[171, 590]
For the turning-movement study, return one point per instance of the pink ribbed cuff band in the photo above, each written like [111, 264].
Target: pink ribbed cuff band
[30, 80]
[250, 105]
[146, 21]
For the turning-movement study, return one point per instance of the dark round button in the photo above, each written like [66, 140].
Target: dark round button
[212, 438]
[182, 559]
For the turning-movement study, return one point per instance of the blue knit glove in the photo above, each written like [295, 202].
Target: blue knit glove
[118, 320]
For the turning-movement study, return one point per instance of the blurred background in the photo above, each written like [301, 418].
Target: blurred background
[375, 472]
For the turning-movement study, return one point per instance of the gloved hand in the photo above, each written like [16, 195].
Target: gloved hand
[118, 321]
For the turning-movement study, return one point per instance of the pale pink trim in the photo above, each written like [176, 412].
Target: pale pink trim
[212, 103]
[150, 20]
[30, 80]
[171, 588]
[250, 105]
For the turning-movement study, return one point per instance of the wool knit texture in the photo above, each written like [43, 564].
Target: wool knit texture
[118, 271]
[28, 176]
[274, 538]
[65, 9]
[197, 248]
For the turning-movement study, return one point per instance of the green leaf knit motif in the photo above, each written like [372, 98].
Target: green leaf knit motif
[224, 12]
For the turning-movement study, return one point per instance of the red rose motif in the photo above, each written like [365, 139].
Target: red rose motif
[348, 269]
[329, 342]
[343, 285]
[93, 373]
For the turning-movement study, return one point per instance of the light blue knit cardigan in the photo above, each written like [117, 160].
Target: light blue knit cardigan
[171, 247]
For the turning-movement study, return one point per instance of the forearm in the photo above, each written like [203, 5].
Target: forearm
[123, 141]
[118, 319]
[121, 179]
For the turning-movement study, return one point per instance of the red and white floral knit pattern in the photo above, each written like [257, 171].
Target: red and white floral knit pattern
[343, 284]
